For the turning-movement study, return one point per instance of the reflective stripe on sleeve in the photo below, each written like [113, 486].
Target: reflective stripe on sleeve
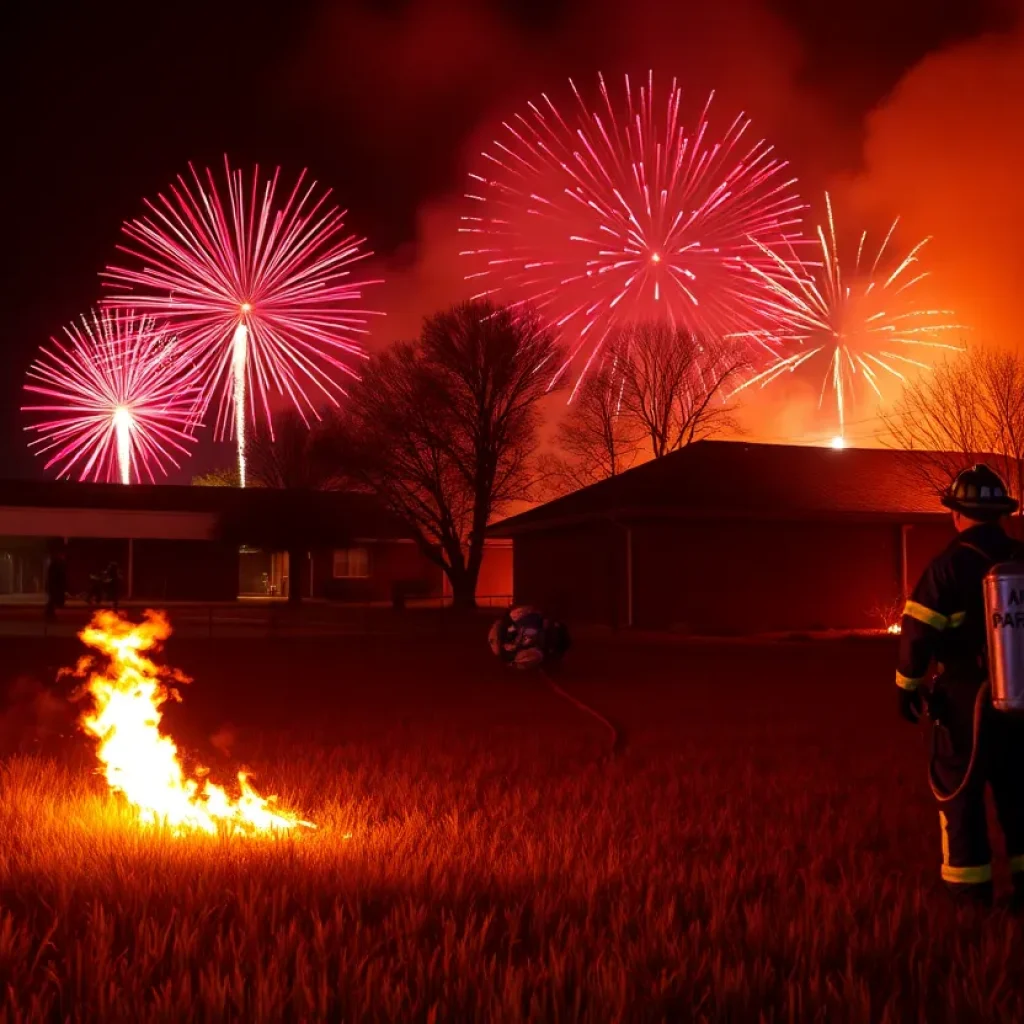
[1017, 864]
[967, 876]
[924, 614]
[908, 682]
[957, 619]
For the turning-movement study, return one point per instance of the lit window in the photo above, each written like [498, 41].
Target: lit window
[351, 563]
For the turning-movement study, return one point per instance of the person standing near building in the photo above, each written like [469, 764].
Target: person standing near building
[944, 623]
[56, 584]
[112, 579]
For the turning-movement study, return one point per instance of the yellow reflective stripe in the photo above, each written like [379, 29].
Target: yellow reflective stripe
[957, 619]
[908, 682]
[925, 615]
[967, 876]
[944, 823]
[1016, 864]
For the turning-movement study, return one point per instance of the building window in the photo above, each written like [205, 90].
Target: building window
[351, 563]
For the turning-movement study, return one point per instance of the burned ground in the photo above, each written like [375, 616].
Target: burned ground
[764, 845]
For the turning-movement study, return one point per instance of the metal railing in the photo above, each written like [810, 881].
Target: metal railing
[264, 618]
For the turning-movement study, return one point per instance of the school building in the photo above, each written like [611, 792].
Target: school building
[220, 544]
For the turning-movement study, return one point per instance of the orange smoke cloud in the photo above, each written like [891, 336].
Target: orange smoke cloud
[939, 151]
[945, 152]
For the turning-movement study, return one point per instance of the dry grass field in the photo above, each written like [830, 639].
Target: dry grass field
[763, 849]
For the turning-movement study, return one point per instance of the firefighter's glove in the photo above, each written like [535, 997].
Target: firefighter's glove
[911, 705]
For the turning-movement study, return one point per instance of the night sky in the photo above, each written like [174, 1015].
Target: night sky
[384, 101]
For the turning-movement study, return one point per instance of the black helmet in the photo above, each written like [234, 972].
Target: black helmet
[979, 494]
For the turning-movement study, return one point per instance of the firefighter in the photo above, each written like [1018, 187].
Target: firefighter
[944, 623]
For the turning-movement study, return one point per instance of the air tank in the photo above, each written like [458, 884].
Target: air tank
[1004, 613]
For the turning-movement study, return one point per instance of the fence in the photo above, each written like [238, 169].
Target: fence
[263, 618]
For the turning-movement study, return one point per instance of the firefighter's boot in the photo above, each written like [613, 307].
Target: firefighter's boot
[979, 895]
[1017, 895]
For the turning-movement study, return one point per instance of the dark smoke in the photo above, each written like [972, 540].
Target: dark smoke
[419, 87]
[426, 84]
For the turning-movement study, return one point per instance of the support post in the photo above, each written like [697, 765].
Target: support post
[130, 580]
[629, 576]
[904, 561]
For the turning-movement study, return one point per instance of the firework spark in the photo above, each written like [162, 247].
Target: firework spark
[868, 324]
[260, 290]
[626, 213]
[112, 400]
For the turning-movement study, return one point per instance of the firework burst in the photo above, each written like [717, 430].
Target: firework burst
[112, 401]
[626, 213]
[259, 288]
[868, 324]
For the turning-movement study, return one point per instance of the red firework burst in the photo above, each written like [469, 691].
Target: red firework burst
[259, 290]
[627, 213]
[112, 400]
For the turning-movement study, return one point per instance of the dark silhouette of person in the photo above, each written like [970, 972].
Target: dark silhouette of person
[56, 584]
[97, 588]
[112, 581]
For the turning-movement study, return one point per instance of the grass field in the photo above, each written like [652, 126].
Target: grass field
[763, 849]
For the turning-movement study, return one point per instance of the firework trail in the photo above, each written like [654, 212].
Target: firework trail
[626, 213]
[259, 289]
[867, 323]
[112, 400]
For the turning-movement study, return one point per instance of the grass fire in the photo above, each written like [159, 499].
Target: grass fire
[128, 689]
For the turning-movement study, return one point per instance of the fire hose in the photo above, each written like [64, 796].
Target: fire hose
[937, 788]
[585, 708]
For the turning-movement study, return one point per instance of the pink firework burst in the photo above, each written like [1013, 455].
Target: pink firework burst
[259, 288]
[112, 400]
[627, 213]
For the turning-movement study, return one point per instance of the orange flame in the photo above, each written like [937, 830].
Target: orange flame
[895, 629]
[128, 689]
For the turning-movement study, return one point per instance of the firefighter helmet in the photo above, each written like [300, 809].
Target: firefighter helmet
[980, 494]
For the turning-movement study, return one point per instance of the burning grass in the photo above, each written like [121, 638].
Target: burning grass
[757, 852]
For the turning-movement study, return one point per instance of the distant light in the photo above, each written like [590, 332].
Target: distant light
[246, 307]
[655, 257]
[838, 442]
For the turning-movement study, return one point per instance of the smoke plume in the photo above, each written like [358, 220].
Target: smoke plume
[945, 153]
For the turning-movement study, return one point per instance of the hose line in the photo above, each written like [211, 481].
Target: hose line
[937, 789]
[586, 708]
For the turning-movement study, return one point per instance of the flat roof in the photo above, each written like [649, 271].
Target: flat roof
[320, 514]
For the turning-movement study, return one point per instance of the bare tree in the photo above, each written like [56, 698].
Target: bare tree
[597, 439]
[968, 409]
[442, 430]
[1004, 386]
[292, 457]
[675, 384]
[226, 476]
